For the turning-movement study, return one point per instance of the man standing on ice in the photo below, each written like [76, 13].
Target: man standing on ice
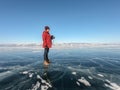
[47, 43]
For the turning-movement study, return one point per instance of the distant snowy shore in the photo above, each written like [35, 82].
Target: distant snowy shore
[59, 45]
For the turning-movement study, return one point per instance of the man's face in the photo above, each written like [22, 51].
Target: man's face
[48, 30]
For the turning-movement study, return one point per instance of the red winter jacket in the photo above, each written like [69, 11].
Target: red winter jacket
[46, 39]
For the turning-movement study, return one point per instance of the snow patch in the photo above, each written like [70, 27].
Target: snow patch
[90, 77]
[70, 67]
[36, 86]
[100, 75]
[38, 77]
[44, 87]
[84, 81]
[30, 75]
[43, 81]
[78, 83]
[25, 72]
[111, 85]
[107, 80]
[74, 73]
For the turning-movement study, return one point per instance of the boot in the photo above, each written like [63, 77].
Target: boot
[46, 62]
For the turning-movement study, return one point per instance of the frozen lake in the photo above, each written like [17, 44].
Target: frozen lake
[71, 69]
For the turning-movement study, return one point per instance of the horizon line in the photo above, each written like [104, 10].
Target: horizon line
[62, 43]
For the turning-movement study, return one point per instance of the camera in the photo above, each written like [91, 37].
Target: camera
[52, 37]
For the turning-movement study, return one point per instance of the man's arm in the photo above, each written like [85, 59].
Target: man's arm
[44, 40]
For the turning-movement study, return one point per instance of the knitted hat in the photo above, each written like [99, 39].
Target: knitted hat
[47, 27]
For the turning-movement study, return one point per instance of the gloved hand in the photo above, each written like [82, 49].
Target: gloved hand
[52, 37]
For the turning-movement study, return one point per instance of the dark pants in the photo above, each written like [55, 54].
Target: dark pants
[46, 51]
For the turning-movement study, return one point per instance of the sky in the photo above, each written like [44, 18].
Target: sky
[81, 21]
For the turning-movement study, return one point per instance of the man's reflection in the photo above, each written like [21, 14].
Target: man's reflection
[46, 82]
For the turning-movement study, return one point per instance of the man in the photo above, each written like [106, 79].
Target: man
[47, 43]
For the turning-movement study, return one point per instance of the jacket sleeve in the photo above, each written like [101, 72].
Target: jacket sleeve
[49, 42]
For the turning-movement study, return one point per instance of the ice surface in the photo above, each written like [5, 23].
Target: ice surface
[75, 69]
[36, 51]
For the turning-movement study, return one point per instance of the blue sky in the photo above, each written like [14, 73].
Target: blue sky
[86, 21]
